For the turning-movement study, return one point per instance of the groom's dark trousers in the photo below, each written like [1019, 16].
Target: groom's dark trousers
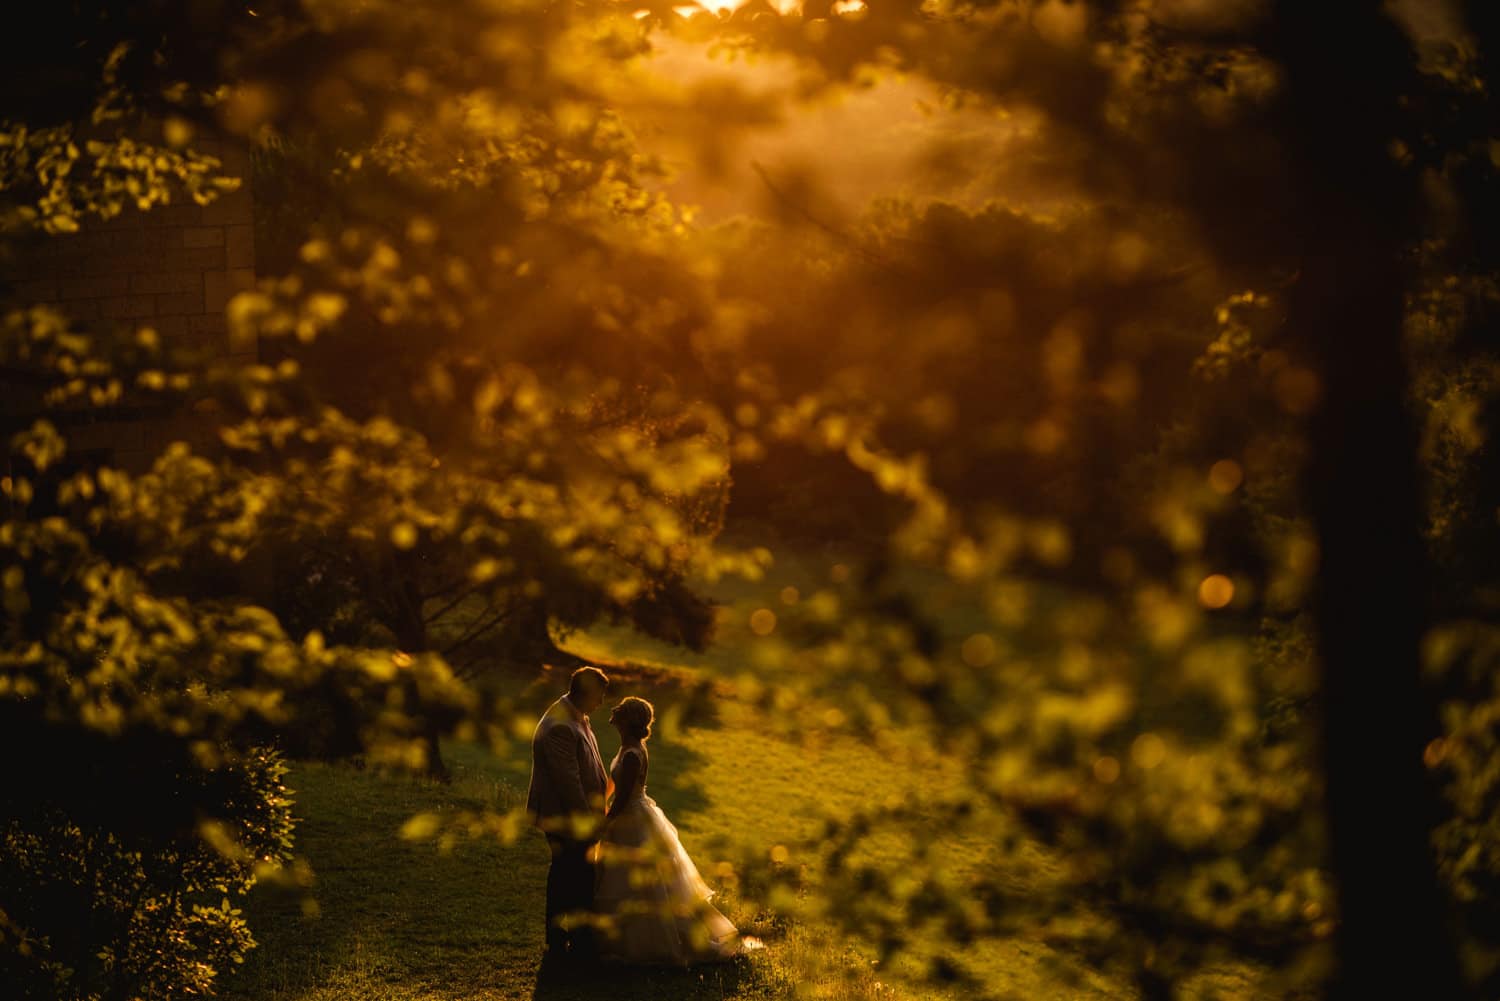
[570, 890]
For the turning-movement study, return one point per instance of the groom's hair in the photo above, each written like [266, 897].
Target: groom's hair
[588, 676]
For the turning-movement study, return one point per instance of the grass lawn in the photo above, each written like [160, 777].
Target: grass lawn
[402, 921]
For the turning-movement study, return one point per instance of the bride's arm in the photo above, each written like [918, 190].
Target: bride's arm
[630, 774]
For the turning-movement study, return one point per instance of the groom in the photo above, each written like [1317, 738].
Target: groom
[568, 787]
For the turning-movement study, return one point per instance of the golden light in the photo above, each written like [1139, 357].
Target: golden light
[246, 107]
[1120, 384]
[790, 595]
[1216, 591]
[1225, 476]
[721, 7]
[762, 621]
[1128, 253]
[177, 131]
[978, 650]
[1148, 750]
[1062, 24]
[1297, 390]
[780, 854]
[1208, 818]
[1434, 753]
[1107, 769]
[1273, 361]
[1044, 436]
[1051, 543]
[1302, 556]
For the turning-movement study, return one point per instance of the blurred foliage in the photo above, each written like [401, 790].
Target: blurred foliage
[503, 388]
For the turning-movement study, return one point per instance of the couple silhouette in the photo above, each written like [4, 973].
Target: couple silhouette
[620, 887]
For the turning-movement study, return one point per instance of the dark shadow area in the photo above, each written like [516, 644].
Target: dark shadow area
[389, 911]
[556, 980]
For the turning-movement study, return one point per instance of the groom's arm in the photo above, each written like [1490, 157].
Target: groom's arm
[561, 747]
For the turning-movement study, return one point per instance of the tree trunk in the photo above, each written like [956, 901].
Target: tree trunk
[527, 640]
[411, 636]
[437, 768]
[1353, 224]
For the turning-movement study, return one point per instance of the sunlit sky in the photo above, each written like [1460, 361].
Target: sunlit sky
[852, 145]
[895, 138]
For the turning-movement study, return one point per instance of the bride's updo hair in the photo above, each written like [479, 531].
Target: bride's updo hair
[635, 716]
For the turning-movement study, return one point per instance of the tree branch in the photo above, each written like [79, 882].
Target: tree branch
[476, 631]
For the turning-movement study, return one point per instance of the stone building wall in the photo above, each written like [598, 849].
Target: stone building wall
[173, 269]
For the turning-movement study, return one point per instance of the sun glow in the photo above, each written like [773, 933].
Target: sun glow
[719, 7]
[722, 8]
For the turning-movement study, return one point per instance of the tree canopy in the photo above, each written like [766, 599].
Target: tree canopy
[1159, 455]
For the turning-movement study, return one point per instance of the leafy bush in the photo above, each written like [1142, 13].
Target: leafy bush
[90, 909]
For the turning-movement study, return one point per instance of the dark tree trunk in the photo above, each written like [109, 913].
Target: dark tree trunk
[411, 635]
[437, 768]
[526, 640]
[1353, 224]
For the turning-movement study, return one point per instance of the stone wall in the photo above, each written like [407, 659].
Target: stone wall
[173, 269]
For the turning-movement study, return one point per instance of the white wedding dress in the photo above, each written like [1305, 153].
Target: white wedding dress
[652, 903]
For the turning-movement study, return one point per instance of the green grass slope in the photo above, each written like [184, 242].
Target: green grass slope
[397, 921]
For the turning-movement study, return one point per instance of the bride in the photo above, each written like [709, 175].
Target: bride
[652, 903]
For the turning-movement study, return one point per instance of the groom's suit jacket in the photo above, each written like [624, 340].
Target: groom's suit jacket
[567, 774]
